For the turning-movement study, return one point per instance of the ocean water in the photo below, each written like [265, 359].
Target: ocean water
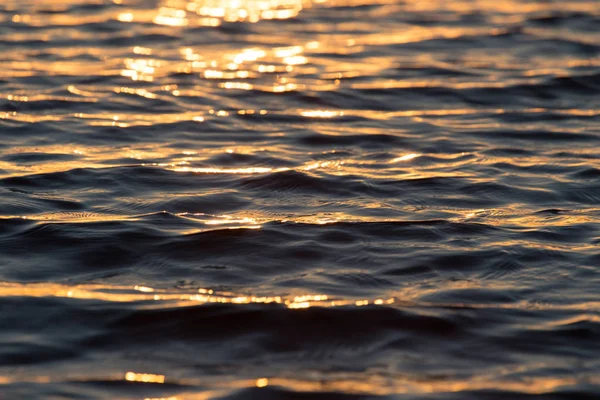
[294, 199]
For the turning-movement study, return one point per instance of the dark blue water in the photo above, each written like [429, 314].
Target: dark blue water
[285, 199]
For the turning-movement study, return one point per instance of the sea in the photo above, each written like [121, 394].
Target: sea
[300, 199]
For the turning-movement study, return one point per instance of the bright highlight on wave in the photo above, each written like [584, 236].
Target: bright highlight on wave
[262, 382]
[214, 12]
[116, 293]
[321, 113]
[215, 170]
[406, 157]
[350, 383]
[145, 378]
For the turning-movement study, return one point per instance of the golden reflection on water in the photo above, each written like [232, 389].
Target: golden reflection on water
[262, 382]
[321, 113]
[406, 297]
[214, 12]
[200, 296]
[384, 385]
[144, 378]
[196, 397]
[199, 116]
[406, 157]
[369, 383]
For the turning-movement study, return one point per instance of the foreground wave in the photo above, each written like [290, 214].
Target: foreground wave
[339, 348]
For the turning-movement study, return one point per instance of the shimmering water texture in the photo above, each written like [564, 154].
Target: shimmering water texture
[286, 199]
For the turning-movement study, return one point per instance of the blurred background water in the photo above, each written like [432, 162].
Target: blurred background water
[294, 199]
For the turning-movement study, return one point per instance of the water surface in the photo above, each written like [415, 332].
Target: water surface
[288, 199]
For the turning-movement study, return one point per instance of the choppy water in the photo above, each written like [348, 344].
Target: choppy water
[279, 199]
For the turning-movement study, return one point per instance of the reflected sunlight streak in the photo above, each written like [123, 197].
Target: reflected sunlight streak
[407, 297]
[145, 378]
[213, 12]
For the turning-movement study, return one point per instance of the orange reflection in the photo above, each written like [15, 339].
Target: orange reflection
[405, 297]
[242, 171]
[321, 113]
[146, 293]
[262, 382]
[363, 383]
[174, 398]
[238, 10]
[171, 17]
[140, 69]
[406, 157]
[145, 378]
